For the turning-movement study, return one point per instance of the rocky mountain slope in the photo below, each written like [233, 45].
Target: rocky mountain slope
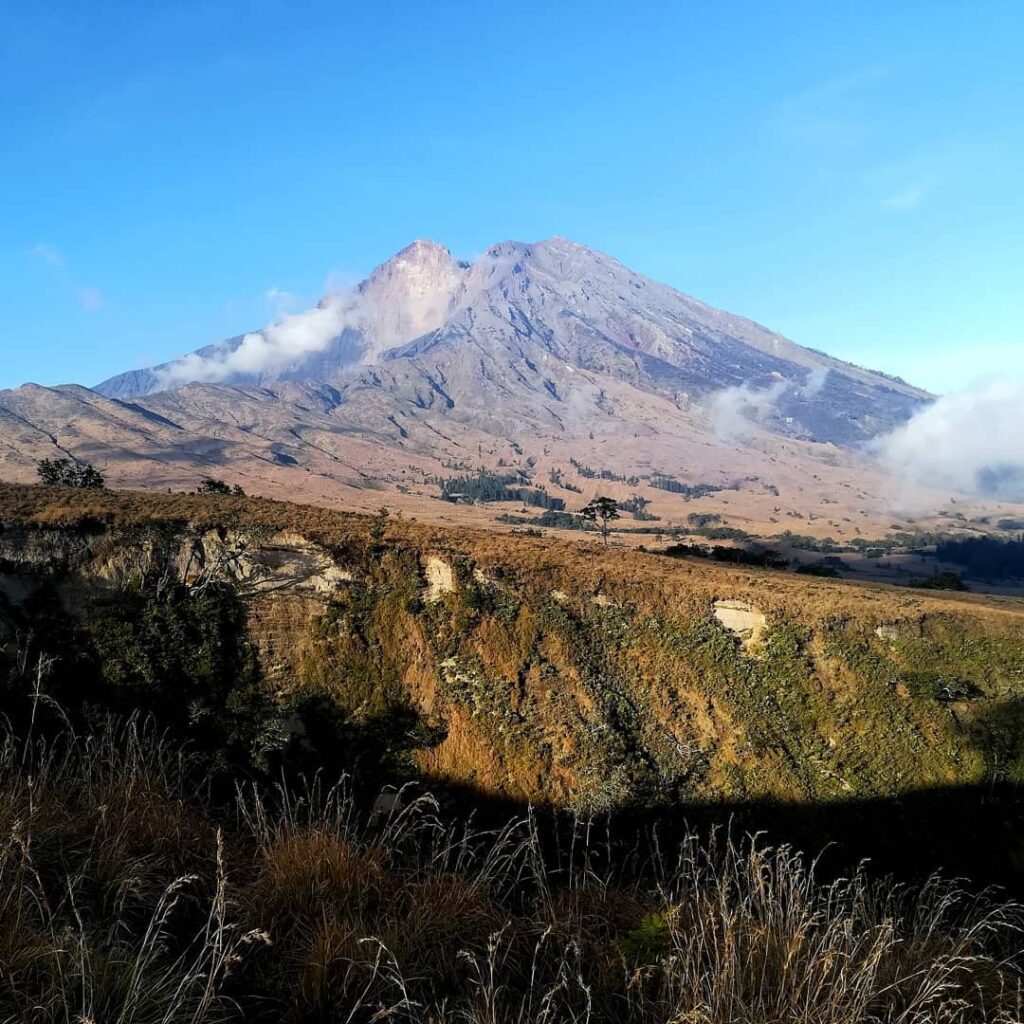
[534, 334]
[550, 358]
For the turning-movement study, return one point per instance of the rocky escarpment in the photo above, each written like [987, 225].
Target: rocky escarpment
[524, 671]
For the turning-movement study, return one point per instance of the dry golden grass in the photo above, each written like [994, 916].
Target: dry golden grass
[306, 911]
[580, 568]
[302, 872]
[536, 721]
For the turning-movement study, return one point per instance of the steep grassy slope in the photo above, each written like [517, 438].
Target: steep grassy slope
[524, 668]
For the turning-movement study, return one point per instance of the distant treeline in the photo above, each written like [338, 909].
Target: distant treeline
[554, 519]
[638, 506]
[484, 486]
[688, 491]
[756, 556]
[802, 542]
[721, 532]
[558, 479]
[877, 547]
[901, 540]
[985, 558]
[602, 474]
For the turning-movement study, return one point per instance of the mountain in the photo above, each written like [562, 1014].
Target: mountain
[547, 359]
[509, 334]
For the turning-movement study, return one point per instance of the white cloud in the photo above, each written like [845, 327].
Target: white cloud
[282, 302]
[407, 297]
[971, 441]
[735, 410]
[284, 342]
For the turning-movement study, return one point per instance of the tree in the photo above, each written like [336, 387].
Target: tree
[602, 512]
[211, 485]
[378, 526]
[69, 473]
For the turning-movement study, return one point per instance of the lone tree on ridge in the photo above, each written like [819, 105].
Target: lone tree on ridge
[602, 512]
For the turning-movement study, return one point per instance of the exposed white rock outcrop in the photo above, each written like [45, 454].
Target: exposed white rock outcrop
[440, 579]
[741, 618]
[254, 561]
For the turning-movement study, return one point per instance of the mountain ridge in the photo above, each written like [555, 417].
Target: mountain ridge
[402, 304]
[549, 357]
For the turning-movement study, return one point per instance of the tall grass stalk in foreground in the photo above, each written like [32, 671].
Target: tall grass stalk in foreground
[99, 922]
[128, 897]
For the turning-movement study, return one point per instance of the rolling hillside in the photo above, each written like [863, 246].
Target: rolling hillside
[533, 673]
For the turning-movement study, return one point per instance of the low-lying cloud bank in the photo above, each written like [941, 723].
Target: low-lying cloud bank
[285, 342]
[403, 299]
[971, 441]
[736, 410]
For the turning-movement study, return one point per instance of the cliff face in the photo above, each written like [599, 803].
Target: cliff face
[520, 669]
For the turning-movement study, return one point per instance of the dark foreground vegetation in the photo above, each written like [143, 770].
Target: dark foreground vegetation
[129, 892]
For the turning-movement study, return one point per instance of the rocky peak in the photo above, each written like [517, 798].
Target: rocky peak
[409, 295]
[421, 259]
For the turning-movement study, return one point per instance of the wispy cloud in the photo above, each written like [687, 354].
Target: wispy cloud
[970, 441]
[736, 411]
[905, 199]
[936, 171]
[829, 113]
[281, 301]
[48, 255]
[89, 298]
[287, 341]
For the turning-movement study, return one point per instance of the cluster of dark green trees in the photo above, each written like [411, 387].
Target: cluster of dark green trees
[158, 646]
[85, 476]
[985, 558]
[485, 486]
[70, 473]
[211, 485]
[688, 491]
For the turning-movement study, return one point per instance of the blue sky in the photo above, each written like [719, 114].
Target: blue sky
[851, 177]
